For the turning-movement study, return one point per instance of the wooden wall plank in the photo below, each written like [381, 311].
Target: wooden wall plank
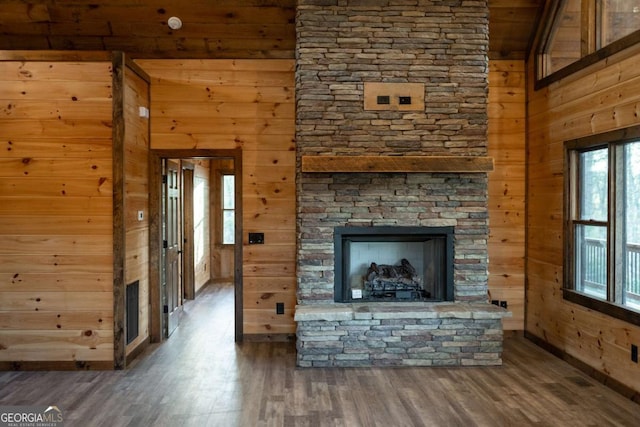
[62, 320]
[222, 126]
[75, 91]
[53, 263]
[56, 110]
[21, 147]
[35, 128]
[42, 71]
[56, 340]
[168, 90]
[228, 110]
[56, 224]
[56, 301]
[52, 282]
[73, 187]
[54, 168]
[47, 244]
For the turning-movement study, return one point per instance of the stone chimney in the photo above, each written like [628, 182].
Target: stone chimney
[343, 46]
[370, 157]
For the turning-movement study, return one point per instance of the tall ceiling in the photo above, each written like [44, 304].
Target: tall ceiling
[211, 28]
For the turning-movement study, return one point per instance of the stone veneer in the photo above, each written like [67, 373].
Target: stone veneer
[341, 44]
[414, 334]
[368, 199]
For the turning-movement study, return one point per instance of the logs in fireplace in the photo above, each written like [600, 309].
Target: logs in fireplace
[394, 282]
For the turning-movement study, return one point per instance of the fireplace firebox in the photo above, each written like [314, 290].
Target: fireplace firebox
[389, 263]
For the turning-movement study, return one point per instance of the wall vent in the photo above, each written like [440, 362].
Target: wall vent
[133, 291]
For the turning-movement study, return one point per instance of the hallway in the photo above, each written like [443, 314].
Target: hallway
[199, 377]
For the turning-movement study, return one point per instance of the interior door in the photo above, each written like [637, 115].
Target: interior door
[172, 246]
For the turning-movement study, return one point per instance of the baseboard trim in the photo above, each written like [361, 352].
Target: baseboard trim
[269, 337]
[59, 365]
[597, 375]
[139, 349]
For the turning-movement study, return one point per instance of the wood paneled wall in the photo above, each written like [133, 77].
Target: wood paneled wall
[56, 243]
[228, 104]
[136, 197]
[506, 112]
[603, 98]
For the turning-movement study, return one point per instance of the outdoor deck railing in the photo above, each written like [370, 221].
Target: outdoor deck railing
[595, 267]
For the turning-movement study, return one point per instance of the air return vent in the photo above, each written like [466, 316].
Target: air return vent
[133, 291]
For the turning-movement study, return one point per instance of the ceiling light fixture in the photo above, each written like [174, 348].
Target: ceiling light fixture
[174, 23]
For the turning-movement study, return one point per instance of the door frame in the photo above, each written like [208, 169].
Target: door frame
[188, 270]
[155, 233]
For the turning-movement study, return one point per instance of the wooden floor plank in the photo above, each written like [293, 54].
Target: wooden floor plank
[200, 377]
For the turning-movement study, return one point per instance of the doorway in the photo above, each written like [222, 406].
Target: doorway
[169, 252]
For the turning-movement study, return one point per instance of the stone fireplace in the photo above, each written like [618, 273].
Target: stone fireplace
[370, 164]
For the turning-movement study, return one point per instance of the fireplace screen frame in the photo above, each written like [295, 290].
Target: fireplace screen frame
[344, 236]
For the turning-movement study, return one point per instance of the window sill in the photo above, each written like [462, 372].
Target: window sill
[610, 309]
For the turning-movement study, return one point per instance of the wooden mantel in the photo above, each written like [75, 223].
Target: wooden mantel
[445, 164]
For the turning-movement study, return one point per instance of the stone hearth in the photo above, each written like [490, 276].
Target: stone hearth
[442, 45]
[388, 334]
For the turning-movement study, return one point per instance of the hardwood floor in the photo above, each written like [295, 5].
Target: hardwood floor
[199, 377]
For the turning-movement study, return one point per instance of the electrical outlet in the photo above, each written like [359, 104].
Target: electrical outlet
[495, 302]
[503, 304]
[279, 308]
[634, 353]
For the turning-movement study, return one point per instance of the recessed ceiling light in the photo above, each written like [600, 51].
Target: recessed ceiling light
[174, 23]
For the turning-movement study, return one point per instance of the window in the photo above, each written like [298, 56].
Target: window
[228, 209]
[563, 45]
[200, 217]
[577, 29]
[617, 19]
[602, 205]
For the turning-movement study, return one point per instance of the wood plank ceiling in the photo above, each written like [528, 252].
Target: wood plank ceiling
[211, 29]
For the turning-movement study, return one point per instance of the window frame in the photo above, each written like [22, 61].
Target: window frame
[614, 141]
[591, 52]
